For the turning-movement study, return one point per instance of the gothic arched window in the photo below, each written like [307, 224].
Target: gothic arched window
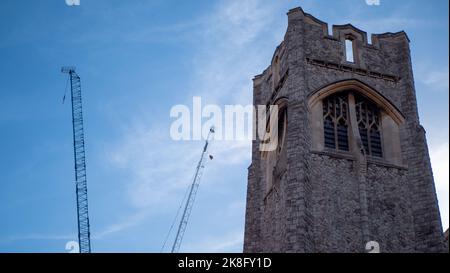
[337, 118]
[348, 118]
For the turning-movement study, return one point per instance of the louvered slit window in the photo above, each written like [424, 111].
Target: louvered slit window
[335, 113]
[282, 124]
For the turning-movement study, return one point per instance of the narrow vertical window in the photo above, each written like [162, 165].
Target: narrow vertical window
[335, 115]
[276, 72]
[349, 50]
[368, 119]
[282, 124]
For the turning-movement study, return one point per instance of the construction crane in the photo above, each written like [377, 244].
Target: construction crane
[84, 240]
[192, 193]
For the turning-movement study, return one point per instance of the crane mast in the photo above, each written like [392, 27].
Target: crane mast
[80, 160]
[192, 193]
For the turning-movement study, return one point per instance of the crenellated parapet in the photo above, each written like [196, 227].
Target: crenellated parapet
[341, 32]
[381, 59]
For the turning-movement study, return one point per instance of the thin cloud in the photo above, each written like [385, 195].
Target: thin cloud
[230, 242]
[436, 79]
[40, 237]
[389, 24]
[160, 168]
[229, 54]
[129, 222]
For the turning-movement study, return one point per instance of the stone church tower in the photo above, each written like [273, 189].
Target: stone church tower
[352, 163]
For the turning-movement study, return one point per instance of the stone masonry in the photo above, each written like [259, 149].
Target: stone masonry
[336, 202]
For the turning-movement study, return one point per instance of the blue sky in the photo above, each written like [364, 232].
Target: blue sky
[137, 59]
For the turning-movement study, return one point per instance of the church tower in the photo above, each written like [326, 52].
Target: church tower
[352, 163]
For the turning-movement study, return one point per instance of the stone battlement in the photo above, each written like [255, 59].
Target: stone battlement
[340, 32]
